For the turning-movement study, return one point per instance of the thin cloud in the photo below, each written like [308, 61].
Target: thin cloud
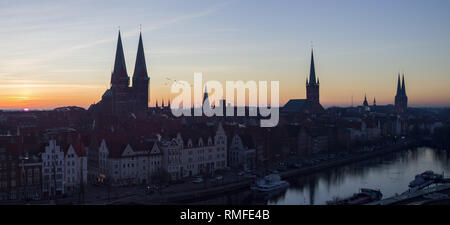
[24, 64]
[157, 26]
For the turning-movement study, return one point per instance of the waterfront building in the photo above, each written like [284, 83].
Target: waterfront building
[128, 162]
[203, 152]
[242, 152]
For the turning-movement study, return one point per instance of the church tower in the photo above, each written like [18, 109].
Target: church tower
[140, 79]
[312, 86]
[401, 99]
[120, 82]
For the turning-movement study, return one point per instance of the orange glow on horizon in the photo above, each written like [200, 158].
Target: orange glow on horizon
[48, 99]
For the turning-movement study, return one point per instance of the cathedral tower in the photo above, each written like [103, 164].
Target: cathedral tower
[120, 82]
[312, 86]
[140, 79]
[401, 99]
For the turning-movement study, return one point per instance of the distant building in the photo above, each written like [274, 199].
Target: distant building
[242, 152]
[401, 99]
[312, 102]
[121, 98]
[366, 104]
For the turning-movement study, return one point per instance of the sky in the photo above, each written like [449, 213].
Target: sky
[61, 53]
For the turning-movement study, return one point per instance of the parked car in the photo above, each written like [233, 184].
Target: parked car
[219, 178]
[240, 173]
[197, 180]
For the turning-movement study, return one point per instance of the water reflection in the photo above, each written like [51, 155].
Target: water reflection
[390, 173]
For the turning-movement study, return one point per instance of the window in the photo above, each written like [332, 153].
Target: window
[13, 195]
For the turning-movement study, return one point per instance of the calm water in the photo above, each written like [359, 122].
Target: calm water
[391, 174]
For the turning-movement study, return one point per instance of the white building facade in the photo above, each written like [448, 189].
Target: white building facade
[53, 170]
[205, 155]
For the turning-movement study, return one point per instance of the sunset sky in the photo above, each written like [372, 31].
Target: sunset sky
[61, 53]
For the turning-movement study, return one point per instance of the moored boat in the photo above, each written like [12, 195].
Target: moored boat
[269, 186]
[365, 196]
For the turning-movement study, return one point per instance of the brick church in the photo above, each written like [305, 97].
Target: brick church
[121, 98]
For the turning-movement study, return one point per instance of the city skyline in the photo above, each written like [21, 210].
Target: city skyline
[53, 57]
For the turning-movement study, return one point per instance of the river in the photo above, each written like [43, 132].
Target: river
[390, 173]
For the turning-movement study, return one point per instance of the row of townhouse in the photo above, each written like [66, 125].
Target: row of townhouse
[9, 175]
[64, 169]
[123, 161]
[52, 170]
[127, 163]
[203, 153]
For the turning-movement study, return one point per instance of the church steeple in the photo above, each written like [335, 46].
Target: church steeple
[140, 78]
[140, 68]
[312, 85]
[399, 88]
[205, 97]
[119, 74]
[365, 103]
[312, 70]
[403, 85]
[401, 100]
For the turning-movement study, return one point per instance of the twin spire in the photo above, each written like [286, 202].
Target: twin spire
[140, 68]
[401, 90]
[120, 70]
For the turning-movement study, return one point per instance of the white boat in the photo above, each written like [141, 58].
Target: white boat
[270, 184]
[424, 179]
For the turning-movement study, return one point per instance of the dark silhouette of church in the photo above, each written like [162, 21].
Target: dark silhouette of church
[312, 103]
[120, 98]
[401, 100]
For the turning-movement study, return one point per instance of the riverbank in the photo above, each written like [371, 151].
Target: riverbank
[194, 195]
[352, 159]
